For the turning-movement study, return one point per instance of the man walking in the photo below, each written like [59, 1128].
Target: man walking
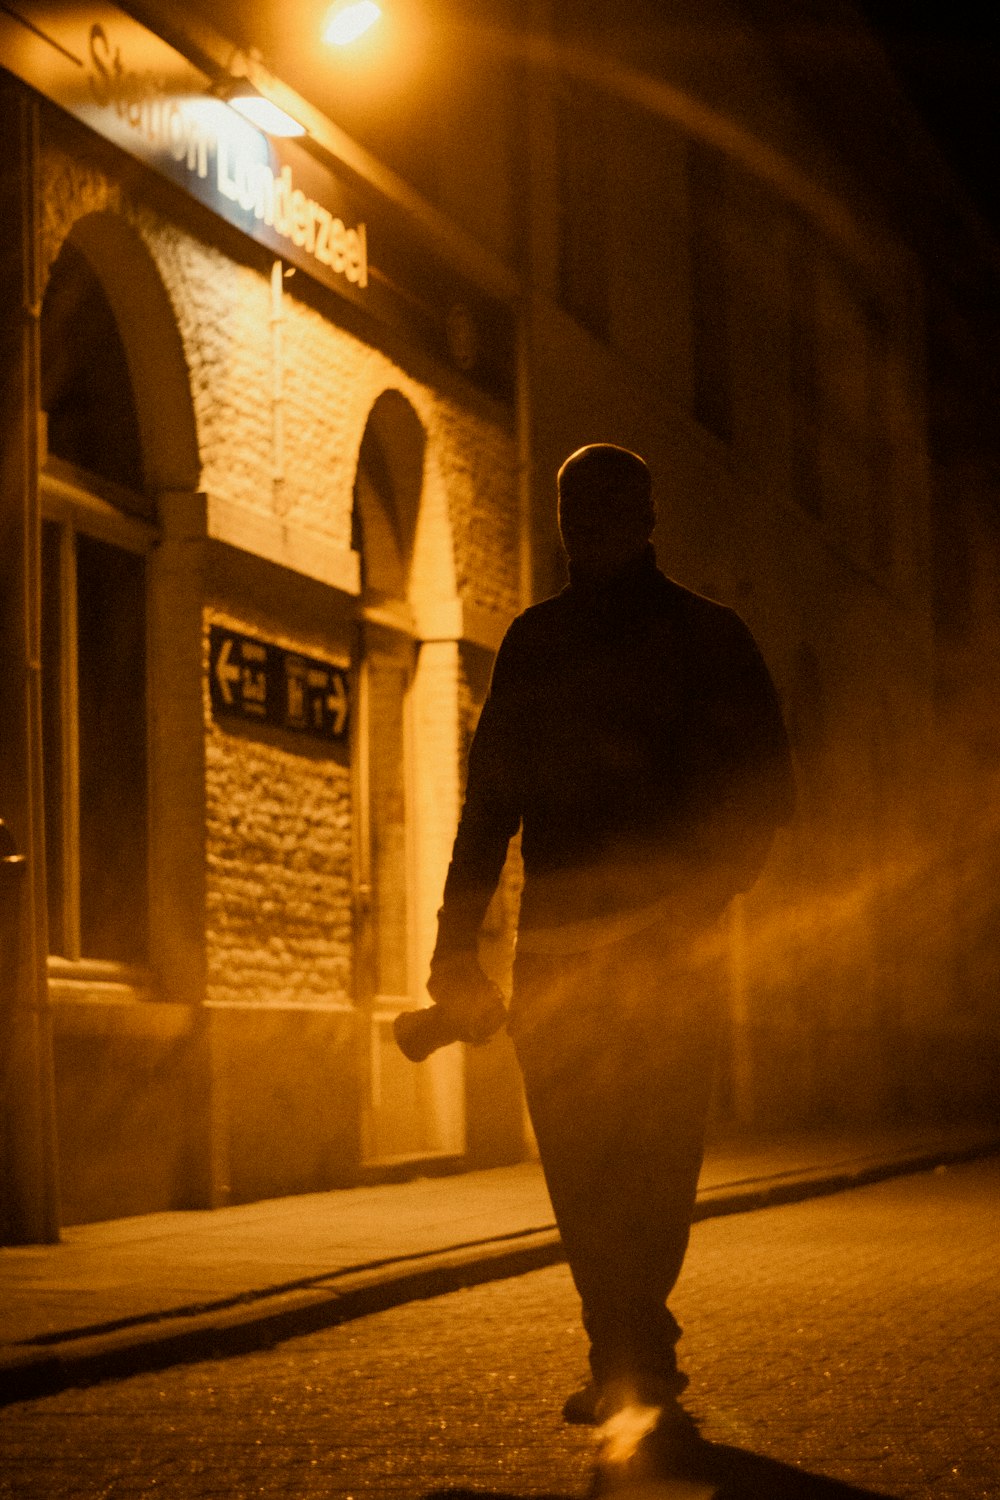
[633, 734]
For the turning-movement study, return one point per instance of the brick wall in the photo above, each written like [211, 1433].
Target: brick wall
[278, 852]
[280, 410]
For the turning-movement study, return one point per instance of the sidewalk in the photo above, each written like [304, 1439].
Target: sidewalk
[142, 1293]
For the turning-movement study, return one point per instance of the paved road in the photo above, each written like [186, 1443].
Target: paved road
[855, 1337]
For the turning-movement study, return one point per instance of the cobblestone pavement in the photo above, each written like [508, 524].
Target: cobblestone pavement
[855, 1336]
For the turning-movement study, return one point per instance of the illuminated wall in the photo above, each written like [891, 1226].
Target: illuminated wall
[259, 1058]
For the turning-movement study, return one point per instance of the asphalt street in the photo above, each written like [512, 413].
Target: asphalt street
[839, 1347]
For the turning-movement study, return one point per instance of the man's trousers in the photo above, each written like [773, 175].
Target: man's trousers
[617, 1049]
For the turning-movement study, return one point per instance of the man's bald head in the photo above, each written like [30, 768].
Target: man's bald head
[606, 513]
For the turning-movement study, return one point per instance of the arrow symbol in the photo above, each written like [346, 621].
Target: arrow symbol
[336, 702]
[226, 672]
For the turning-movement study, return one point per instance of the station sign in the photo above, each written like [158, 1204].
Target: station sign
[134, 89]
[267, 684]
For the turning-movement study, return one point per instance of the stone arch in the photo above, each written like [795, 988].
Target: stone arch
[130, 280]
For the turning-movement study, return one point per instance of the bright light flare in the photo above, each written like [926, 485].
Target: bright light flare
[346, 23]
[622, 1433]
[266, 116]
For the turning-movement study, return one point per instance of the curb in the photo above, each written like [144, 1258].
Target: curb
[264, 1319]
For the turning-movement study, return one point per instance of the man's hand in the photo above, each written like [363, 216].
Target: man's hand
[468, 1007]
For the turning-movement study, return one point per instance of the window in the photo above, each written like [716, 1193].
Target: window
[95, 532]
[807, 713]
[804, 371]
[712, 372]
[882, 438]
[94, 745]
[583, 267]
[86, 389]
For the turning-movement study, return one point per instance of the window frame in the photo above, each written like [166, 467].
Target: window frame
[79, 502]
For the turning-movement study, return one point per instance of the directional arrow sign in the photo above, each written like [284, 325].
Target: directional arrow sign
[337, 702]
[226, 673]
[253, 679]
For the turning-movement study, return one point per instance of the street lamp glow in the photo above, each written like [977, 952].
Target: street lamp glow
[345, 23]
[261, 112]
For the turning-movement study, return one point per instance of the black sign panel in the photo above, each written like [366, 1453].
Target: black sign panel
[251, 679]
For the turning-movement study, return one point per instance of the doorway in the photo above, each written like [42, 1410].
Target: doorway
[409, 1112]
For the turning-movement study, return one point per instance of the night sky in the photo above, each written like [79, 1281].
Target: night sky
[947, 56]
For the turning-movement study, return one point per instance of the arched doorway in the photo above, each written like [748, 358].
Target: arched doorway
[408, 1112]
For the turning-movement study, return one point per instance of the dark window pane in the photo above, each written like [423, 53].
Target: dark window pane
[881, 445]
[710, 292]
[86, 387]
[111, 633]
[807, 401]
[583, 216]
[807, 709]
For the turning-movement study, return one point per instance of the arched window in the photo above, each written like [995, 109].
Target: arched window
[87, 396]
[97, 527]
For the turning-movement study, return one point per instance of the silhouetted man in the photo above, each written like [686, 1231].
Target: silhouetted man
[632, 733]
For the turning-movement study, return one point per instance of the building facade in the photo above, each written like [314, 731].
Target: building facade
[283, 428]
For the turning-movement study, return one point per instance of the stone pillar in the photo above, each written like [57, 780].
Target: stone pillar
[177, 818]
[28, 1184]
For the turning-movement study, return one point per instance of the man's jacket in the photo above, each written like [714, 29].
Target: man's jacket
[633, 733]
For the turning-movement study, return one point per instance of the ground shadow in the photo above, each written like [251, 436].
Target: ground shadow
[739, 1475]
[728, 1474]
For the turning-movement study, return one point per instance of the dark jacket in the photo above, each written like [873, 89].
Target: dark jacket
[633, 733]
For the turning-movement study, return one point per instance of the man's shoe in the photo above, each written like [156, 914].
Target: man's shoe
[596, 1403]
[644, 1450]
[580, 1408]
[677, 1429]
